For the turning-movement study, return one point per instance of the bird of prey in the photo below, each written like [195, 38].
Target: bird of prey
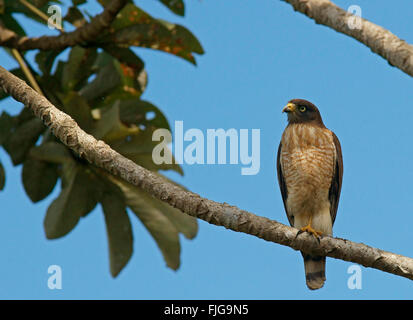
[310, 172]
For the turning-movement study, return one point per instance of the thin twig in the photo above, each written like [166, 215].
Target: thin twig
[26, 70]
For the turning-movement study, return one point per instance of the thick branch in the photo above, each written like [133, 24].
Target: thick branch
[81, 35]
[381, 41]
[230, 217]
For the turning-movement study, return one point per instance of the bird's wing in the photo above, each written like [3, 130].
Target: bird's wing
[282, 184]
[335, 188]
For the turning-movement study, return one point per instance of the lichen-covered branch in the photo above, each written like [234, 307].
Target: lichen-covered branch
[381, 41]
[220, 214]
[81, 35]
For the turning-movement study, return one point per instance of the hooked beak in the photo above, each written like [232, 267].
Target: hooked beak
[290, 107]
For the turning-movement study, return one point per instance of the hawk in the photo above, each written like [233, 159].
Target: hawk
[310, 172]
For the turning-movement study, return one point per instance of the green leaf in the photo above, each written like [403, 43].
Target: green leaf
[125, 127]
[78, 108]
[159, 226]
[128, 129]
[74, 201]
[51, 151]
[45, 60]
[184, 223]
[119, 230]
[52, 89]
[6, 126]
[126, 56]
[115, 77]
[41, 3]
[78, 2]
[25, 115]
[106, 80]
[140, 112]
[109, 127]
[78, 68]
[176, 6]
[134, 27]
[14, 6]
[39, 178]
[75, 17]
[12, 24]
[59, 71]
[3, 94]
[2, 176]
[17, 72]
[138, 148]
[22, 139]
[134, 78]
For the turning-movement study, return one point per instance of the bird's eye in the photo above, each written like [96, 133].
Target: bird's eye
[303, 109]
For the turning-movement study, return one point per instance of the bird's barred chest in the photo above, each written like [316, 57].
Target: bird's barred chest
[307, 160]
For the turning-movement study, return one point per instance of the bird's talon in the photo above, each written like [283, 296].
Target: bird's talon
[298, 233]
[315, 233]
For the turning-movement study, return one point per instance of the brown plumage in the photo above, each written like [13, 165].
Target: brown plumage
[310, 171]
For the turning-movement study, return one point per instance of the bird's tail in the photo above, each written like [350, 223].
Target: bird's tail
[315, 267]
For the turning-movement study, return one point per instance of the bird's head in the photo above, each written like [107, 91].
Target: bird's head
[302, 111]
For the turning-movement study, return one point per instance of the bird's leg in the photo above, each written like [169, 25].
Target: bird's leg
[308, 228]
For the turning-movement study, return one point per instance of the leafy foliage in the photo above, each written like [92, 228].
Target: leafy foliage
[134, 27]
[2, 176]
[8, 7]
[100, 86]
[176, 6]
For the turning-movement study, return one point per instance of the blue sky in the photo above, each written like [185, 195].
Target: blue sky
[258, 55]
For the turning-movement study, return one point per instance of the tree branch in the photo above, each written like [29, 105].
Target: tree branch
[381, 41]
[220, 214]
[81, 35]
